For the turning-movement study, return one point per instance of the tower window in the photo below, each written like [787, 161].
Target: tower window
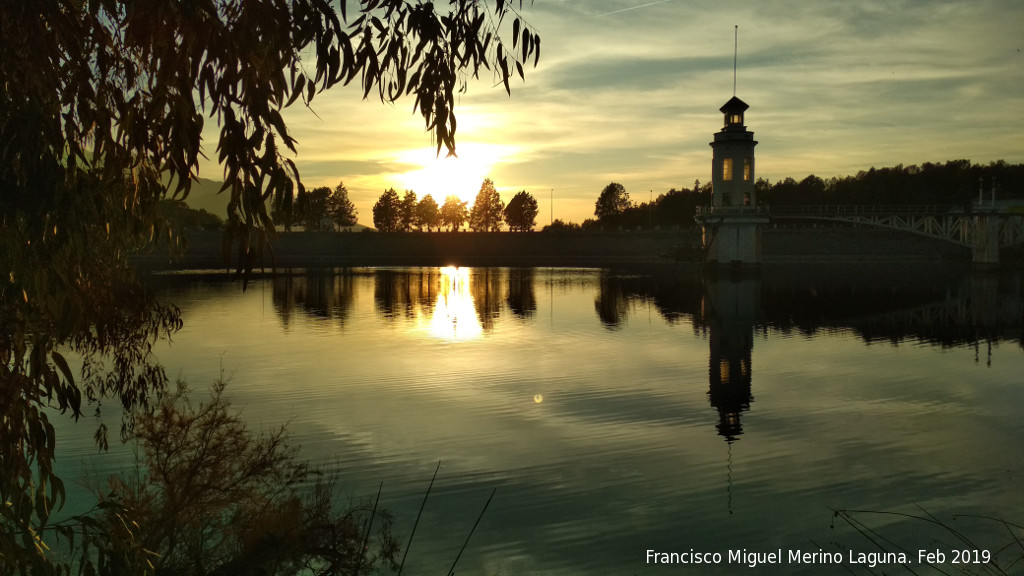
[727, 169]
[748, 169]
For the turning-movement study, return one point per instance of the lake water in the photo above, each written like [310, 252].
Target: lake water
[614, 413]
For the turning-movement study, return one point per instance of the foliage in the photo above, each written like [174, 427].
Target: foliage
[102, 112]
[110, 329]
[521, 212]
[387, 211]
[181, 217]
[677, 208]
[119, 86]
[454, 212]
[319, 209]
[408, 218]
[953, 183]
[428, 213]
[69, 293]
[340, 209]
[559, 225]
[960, 547]
[613, 200]
[209, 496]
[313, 209]
[487, 210]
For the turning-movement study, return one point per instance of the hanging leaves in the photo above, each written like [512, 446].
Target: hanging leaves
[102, 114]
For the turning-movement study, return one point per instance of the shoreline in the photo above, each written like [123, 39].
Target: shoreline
[782, 247]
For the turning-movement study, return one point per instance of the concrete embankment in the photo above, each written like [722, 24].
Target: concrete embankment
[324, 249]
[856, 245]
[574, 249]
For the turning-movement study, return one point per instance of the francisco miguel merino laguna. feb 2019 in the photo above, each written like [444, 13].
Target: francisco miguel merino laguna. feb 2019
[869, 559]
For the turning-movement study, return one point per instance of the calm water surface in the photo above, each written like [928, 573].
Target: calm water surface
[616, 413]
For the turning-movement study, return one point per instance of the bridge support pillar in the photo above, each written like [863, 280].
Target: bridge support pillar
[985, 241]
[732, 237]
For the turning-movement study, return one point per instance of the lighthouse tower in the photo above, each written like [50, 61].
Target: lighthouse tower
[731, 224]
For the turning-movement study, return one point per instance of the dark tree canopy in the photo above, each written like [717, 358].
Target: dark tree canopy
[408, 218]
[952, 183]
[207, 496]
[340, 209]
[486, 214]
[429, 213]
[387, 212]
[313, 209]
[454, 212]
[103, 105]
[318, 209]
[120, 91]
[521, 212]
[614, 200]
[180, 216]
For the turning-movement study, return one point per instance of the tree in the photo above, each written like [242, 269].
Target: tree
[521, 212]
[208, 496]
[285, 212]
[340, 209]
[428, 213]
[318, 209]
[407, 216]
[487, 209]
[181, 217]
[313, 208]
[614, 200]
[387, 211]
[120, 87]
[102, 112]
[561, 226]
[454, 212]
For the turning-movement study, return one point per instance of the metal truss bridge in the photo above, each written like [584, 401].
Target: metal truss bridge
[984, 227]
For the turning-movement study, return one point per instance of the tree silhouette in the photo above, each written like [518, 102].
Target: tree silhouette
[103, 109]
[313, 208]
[317, 209]
[407, 215]
[387, 211]
[285, 211]
[486, 213]
[521, 212]
[559, 225]
[209, 497]
[454, 212]
[614, 200]
[181, 217]
[429, 213]
[340, 209]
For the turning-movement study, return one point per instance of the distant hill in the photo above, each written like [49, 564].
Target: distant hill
[204, 196]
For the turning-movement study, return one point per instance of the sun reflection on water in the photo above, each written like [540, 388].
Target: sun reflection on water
[455, 315]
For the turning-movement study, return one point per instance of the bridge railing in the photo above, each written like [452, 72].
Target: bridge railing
[760, 210]
[853, 210]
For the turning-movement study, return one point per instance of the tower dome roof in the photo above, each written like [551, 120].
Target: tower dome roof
[734, 105]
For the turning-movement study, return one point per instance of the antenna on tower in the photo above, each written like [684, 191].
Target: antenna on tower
[735, 50]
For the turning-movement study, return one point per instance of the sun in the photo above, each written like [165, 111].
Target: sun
[441, 177]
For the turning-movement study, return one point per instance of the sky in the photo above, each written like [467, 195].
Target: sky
[628, 91]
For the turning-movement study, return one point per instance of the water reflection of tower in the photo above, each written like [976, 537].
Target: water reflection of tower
[730, 311]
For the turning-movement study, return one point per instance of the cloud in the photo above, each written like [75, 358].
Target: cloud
[834, 87]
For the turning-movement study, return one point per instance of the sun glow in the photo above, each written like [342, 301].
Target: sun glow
[441, 177]
[454, 314]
